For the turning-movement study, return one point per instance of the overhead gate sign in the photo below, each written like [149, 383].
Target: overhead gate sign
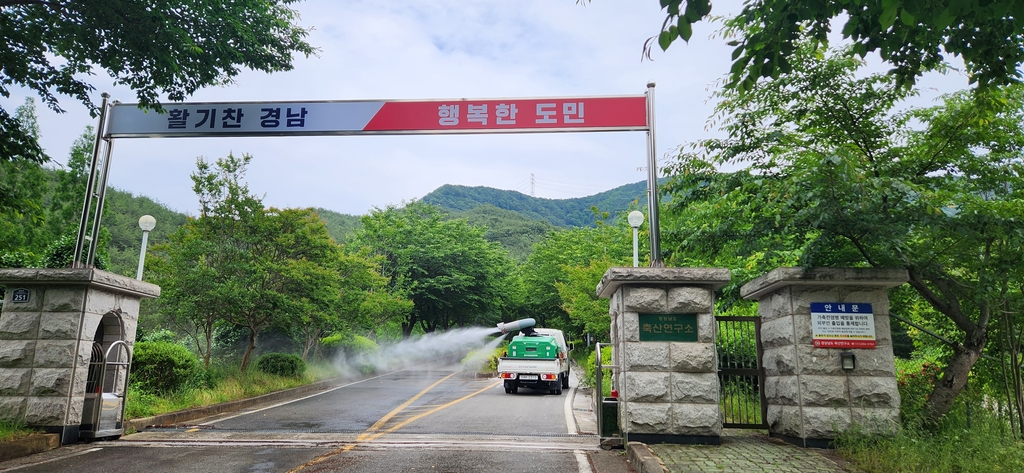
[624, 113]
[365, 117]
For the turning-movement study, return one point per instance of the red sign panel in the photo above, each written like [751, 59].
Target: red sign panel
[551, 114]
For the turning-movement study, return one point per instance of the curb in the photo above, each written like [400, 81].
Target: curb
[186, 415]
[30, 445]
[643, 460]
[34, 444]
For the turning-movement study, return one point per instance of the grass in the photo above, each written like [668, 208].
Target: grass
[986, 446]
[740, 403]
[231, 386]
[13, 430]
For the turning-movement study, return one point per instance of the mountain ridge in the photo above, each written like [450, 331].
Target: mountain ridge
[572, 212]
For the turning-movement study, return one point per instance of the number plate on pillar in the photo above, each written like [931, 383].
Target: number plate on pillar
[668, 327]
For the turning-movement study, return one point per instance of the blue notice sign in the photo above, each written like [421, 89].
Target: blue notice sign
[842, 325]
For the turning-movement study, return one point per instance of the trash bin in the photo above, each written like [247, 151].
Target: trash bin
[610, 417]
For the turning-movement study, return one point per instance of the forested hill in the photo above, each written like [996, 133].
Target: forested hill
[559, 212]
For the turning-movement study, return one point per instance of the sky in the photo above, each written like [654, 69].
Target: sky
[440, 49]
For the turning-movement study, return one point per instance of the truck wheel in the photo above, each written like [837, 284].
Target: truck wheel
[508, 390]
[565, 380]
[515, 388]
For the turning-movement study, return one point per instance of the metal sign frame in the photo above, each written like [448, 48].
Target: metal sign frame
[360, 117]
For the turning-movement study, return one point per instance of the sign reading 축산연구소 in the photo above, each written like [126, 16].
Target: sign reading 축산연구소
[668, 327]
[842, 325]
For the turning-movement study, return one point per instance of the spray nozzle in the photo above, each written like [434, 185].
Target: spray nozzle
[515, 326]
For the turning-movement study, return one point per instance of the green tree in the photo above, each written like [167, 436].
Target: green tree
[912, 35]
[23, 185]
[324, 287]
[839, 177]
[451, 273]
[171, 49]
[187, 270]
[587, 311]
[215, 271]
[65, 207]
[558, 274]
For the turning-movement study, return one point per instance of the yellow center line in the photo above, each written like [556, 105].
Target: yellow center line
[424, 414]
[371, 433]
[383, 420]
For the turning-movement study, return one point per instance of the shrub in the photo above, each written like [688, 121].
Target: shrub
[163, 368]
[348, 344]
[483, 361]
[60, 253]
[915, 380]
[290, 366]
[590, 368]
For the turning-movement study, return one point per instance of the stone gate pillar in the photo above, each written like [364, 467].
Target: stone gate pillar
[50, 320]
[663, 339]
[828, 356]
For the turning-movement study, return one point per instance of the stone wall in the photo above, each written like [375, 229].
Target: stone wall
[668, 390]
[810, 397]
[46, 342]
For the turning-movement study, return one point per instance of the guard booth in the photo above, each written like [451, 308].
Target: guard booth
[106, 389]
[67, 349]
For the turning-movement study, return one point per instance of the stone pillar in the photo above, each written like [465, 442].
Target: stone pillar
[810, 396]
[49, 322]
[663, 339]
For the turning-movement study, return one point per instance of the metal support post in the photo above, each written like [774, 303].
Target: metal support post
[652, 183]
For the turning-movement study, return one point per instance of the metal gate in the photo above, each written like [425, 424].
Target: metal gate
[740, 374]
[106, 388]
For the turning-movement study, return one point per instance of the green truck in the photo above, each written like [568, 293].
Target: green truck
[537, 358]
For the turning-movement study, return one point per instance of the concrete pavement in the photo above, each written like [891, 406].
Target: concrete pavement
[741, 451]
[748, 451]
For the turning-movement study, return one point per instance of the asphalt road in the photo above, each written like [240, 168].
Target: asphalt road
[429, 419]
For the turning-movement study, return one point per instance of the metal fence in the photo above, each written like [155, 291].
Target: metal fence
[740, 374]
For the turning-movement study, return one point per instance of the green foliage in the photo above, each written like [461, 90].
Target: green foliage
[588, 312]
[60, 253]
[17, 259]
[162, 335]
[837, 176]
[512, 230]
[169, 49]
[590, 370]
[23, 181]
[561, 274]
[226, 384]
[281, 364]
[121, 214]
[341, 227]
[483, 361]
[10, 430]
[913, 36]
[350, 345]
[163, 367]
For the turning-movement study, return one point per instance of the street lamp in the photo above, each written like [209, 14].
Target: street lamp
[635, 218]
[146, 223]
